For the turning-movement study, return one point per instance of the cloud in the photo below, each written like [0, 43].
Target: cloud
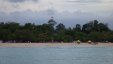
[19, 1]
[15, 1]
[67, 18]
[23, 11]
[90, 1]
[28, 16]
[84, 1]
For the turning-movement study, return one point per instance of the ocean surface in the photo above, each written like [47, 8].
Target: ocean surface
[56, 55]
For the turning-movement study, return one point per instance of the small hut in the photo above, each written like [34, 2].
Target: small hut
[78, 41]
[89, 41]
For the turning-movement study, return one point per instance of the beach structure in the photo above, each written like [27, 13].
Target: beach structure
[89, 41]
[78, 41]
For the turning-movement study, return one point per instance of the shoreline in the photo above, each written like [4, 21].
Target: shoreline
[55, 45]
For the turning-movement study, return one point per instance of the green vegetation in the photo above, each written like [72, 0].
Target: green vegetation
[53, 32]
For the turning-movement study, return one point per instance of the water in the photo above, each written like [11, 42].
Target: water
[56, 55]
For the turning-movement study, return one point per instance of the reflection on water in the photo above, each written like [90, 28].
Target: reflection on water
[57, 55]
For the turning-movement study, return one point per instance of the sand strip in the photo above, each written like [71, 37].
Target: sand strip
[55, 45]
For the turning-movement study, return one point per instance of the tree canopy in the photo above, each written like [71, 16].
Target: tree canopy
[53, 32]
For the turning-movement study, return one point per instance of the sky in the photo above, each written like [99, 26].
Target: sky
[68, 12]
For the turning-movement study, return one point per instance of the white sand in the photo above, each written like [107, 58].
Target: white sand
[55, 45]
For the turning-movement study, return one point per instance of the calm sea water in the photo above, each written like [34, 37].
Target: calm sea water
[56, 55]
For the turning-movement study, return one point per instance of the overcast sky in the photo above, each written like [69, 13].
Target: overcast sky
[69, 12]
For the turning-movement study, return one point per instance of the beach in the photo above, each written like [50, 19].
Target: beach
[55, 45]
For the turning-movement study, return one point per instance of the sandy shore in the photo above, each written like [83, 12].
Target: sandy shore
[55, 45]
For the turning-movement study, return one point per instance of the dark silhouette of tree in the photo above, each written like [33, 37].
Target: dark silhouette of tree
[95, 26]
[77, 28]
[52, 22]
[60, 27]
[103, 27]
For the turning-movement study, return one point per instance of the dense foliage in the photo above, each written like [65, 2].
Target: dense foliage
[53, 32]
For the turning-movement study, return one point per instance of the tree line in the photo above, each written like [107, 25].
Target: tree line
[53, 32]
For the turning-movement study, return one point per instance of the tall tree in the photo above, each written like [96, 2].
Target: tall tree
[103, 27]
[77, 28]
[95, 25]
[60, 27]
[52, 22]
